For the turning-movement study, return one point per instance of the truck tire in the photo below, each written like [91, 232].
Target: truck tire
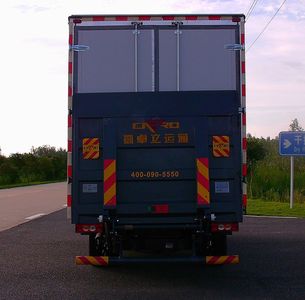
[218, 245]
[101, 246]
[98, 246]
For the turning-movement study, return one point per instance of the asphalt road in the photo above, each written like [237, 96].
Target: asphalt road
[19, 205]
[37, 262]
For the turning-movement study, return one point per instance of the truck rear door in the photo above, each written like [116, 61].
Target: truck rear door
[156, 122]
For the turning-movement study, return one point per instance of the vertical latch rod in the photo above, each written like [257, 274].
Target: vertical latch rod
[136, 32]
[178, 32]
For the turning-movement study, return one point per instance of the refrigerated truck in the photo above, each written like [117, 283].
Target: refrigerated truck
[156, 136]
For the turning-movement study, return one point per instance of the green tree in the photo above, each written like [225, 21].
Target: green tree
[2, 159]
[44, 151]
[8, 173]
[29, 171]
[18, 160]
[41, 164]
[256, 151]
[295, 126]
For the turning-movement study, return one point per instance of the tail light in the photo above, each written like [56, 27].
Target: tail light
[224, 227]
[160, 209]
[88, 228]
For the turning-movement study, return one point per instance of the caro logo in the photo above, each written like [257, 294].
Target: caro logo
[154, 125]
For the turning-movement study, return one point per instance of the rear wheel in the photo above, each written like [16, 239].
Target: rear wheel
[100, 245]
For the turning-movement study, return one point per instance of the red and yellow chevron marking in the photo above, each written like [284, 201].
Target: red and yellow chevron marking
[109, 182]
[221, 146]
[91, 148]
[203, 181]
[92, 260]
[222, 260]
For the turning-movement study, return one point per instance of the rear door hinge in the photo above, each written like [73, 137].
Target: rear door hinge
[234, 47]
[79, 48]
[242, 110]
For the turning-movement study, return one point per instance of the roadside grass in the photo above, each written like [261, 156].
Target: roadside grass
[10, 186]
[271, 208]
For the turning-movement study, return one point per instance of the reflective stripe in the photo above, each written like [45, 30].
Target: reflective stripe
[91, 148]
[221, 146]
[109, 169]
[222, 260]
[103, 18]
[203, 182]
[244, 121]
[110, 183]
[70, 94]
[92, 260]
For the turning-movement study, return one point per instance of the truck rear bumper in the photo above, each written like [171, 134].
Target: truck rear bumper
[106, 260]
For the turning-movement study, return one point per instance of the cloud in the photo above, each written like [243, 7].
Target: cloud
[23, 8]
[48, 42]
[277, 109]
[295, 64]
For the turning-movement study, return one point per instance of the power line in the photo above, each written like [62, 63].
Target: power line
[266, 26]
[251, 9]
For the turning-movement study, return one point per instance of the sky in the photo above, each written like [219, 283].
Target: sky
[34, 56]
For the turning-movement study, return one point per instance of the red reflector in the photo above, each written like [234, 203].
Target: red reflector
[98, 18]
[69, 120]
[214, 18]
[69, 146]
[70, 67]
[69, 171]
[244, 200]
[121, 18]
[243, 67]
[243, 90]
[144, 18]
[191, 17]
[69, 200]
[88, 228]
[219, 227]
[244, 143]
[77, 21]
[242, 38]
[168, 18]
[70, 39]
[244, 120]
[160, 209]
[69, 91]
[244, 170]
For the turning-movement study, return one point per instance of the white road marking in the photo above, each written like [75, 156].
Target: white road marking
[35, 216]
[271, 217]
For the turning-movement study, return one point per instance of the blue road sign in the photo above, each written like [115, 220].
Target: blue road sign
[292, 143]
